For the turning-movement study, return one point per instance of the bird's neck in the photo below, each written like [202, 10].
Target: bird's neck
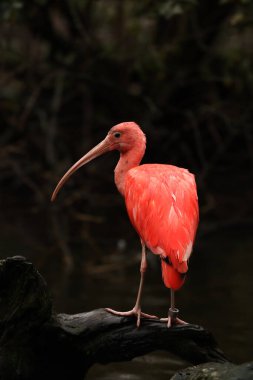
[127, 161]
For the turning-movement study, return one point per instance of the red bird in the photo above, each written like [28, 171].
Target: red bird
[162, 204]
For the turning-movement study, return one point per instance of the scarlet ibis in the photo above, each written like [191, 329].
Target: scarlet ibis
[162, 204]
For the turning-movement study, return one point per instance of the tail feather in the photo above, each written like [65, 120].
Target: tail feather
[171, 277]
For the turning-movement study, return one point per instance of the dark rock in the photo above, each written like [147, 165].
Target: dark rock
[216, 371]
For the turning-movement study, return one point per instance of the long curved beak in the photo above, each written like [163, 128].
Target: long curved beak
[98, 150]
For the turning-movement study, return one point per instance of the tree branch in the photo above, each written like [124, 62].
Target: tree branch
[109, 338]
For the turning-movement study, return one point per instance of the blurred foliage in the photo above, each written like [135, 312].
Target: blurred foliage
[71, 69]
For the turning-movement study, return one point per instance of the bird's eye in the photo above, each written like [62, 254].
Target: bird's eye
[117, 135]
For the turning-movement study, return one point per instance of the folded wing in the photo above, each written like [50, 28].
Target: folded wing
[162, 204]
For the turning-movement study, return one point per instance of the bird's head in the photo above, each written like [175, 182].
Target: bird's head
[125, 136]
[121, 137]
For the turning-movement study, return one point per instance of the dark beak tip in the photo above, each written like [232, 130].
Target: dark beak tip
[53, 197]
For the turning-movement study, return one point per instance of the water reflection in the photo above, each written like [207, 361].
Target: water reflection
[158, 365]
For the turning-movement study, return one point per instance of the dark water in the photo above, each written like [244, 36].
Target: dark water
[218, 294]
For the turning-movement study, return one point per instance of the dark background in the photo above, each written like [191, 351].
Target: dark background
[69, 71]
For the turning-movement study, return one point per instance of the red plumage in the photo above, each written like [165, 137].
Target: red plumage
[162, 204]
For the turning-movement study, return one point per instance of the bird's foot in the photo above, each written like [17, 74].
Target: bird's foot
[136, 311]
[173, 319]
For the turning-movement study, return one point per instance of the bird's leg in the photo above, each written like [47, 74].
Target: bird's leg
[137, 307]
[143, 268]
[173, 313]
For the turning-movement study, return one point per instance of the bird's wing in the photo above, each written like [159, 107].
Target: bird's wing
[162, 204]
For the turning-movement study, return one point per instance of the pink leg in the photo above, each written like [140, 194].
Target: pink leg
[137, 307]
[173, 312]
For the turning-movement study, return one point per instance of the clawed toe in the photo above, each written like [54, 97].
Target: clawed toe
[121, 313]
[172, 318]
[150, 316]
[173, 321]
[134, 312]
